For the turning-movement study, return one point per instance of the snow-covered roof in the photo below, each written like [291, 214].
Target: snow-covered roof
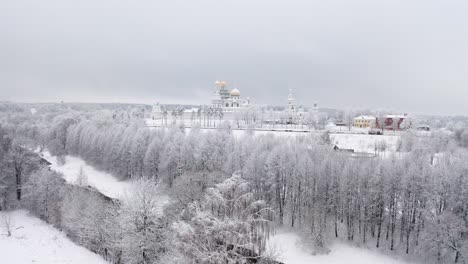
[191, 110]
[235, 92]
[395, 116]
[364, 117]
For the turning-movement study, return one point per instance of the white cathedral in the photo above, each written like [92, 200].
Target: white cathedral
[231, 105]
[228, 101]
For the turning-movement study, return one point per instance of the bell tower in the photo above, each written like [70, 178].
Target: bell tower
[291, 102]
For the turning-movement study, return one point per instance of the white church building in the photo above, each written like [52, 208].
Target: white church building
[228, 101]
[228, 105]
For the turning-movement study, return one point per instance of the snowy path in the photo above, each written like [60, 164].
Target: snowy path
[104, 182]
[37, 242]
[290, 252]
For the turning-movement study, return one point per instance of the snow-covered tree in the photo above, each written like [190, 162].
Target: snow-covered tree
[227, 226]
[43, 193]
[144, 231]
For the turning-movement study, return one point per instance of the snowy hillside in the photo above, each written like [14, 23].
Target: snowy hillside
[289, 251]
[34, 241]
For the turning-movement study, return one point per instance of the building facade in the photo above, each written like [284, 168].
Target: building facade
[392, 122]
[228, 105]
[228, 101]
[365, 122]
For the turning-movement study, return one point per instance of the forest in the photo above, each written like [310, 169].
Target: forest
[228, 194]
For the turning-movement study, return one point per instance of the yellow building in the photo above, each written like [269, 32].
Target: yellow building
[364, 122]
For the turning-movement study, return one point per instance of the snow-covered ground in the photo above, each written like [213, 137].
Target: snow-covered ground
[214, 124]
[34, 241]
[242, 132]
[279, 133]
[363, 142]
[104, 182]
[289, 251]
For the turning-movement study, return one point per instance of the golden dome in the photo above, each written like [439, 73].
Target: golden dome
[235, 92]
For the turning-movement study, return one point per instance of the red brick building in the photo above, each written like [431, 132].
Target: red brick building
[391, 122]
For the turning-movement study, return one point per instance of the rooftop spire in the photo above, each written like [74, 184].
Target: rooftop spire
[290, 96]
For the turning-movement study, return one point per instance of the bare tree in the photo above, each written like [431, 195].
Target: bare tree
[7, 225]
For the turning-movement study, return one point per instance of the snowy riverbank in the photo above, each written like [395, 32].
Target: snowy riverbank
[104, 182]
[34, 241]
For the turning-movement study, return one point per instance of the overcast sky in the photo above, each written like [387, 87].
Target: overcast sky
[407, 56]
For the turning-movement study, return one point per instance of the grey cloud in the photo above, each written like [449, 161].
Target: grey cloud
[410, 56]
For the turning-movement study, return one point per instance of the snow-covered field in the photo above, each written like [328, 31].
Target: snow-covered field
[289, 251]
[34, 241]
[242, 132]
[357, 142]
[363, 142]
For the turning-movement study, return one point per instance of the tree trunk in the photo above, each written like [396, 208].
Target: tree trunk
[393, 220]
[18, 180]
[379, 231]
[336, 222]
